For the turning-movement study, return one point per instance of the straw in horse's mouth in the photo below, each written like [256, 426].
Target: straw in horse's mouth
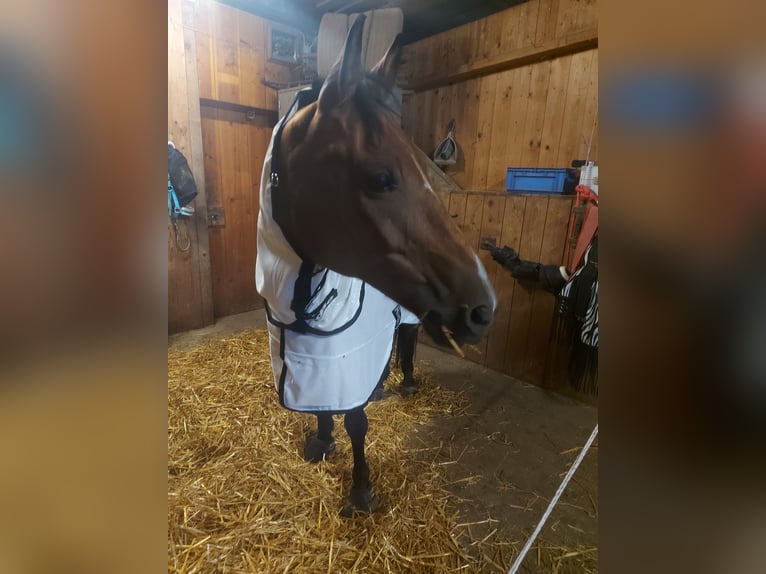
[448, 334]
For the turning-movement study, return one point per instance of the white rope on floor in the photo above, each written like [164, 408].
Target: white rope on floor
[554, 500]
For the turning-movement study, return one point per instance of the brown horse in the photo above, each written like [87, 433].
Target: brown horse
[353, 197]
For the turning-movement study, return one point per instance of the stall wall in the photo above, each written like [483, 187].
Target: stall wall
[522, 87]
[220, 114]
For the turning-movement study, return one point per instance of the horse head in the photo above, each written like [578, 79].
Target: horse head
[355, 197]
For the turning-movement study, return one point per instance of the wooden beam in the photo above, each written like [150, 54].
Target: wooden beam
[198, 168]
[585, 40]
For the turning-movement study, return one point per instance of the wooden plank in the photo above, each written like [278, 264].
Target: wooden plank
[428, 55]
[469, 92]
[428, 125]
[587, 17]
[225, 22]
[574, 131]
[521, 305]
[474, 212]
[535, 116]
[244, 208]
[528, 23]
[211, 155]
[461, 49]
[590, 116]
[249, 82]
[457, 205]
[252, 33]
[547, 19]
[551, 253]
[484, 131]
[226, 72]
[412, 113]
[204, 64]
[513, 221]
[510, 32]
[197, 165]
[240, 151]
[502, 117]
[554, 111]
[178, 109]
[566, 18]
[493, 34]
[217, 160]
[478, 39]
[184, 311]
[445, 199]
[548, 50]
[522, 80]
[441, 114]
[202, 18]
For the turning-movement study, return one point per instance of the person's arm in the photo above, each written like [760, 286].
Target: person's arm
[535, 275]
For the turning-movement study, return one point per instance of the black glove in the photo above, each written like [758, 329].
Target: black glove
[538, 276]
[527, 271]
[505, 256]
[551, 279]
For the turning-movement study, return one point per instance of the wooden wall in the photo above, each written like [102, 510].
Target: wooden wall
[522, 86]
[231, 52]
[189, 283]
[223, 52]
[529, 115]
[232, 62]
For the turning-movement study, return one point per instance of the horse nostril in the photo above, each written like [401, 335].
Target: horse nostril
[481, 315]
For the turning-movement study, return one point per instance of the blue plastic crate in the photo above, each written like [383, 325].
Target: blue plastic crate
[535, 180]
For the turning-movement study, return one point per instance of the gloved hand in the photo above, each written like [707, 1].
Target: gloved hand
[505, 256]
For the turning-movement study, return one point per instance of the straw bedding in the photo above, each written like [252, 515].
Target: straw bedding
[241, 498]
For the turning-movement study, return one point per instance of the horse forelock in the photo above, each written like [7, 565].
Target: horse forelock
[372, 103]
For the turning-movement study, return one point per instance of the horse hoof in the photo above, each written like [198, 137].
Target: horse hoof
[377, 395]
[408, 387]
[317, 449]
[361, 501]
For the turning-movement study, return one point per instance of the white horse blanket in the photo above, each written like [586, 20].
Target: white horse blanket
[330, 335]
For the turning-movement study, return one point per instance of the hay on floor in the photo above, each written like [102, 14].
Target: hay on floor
[242, 499]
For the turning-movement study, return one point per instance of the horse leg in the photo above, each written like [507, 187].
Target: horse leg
[406, 342]
[320, 444]
[361, 498]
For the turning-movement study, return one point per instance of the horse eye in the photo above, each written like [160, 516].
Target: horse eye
[382, 181]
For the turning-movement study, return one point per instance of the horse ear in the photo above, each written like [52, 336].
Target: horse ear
[347, 69]
[388, 66]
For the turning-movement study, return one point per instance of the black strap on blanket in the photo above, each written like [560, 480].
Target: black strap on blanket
[302, 99]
